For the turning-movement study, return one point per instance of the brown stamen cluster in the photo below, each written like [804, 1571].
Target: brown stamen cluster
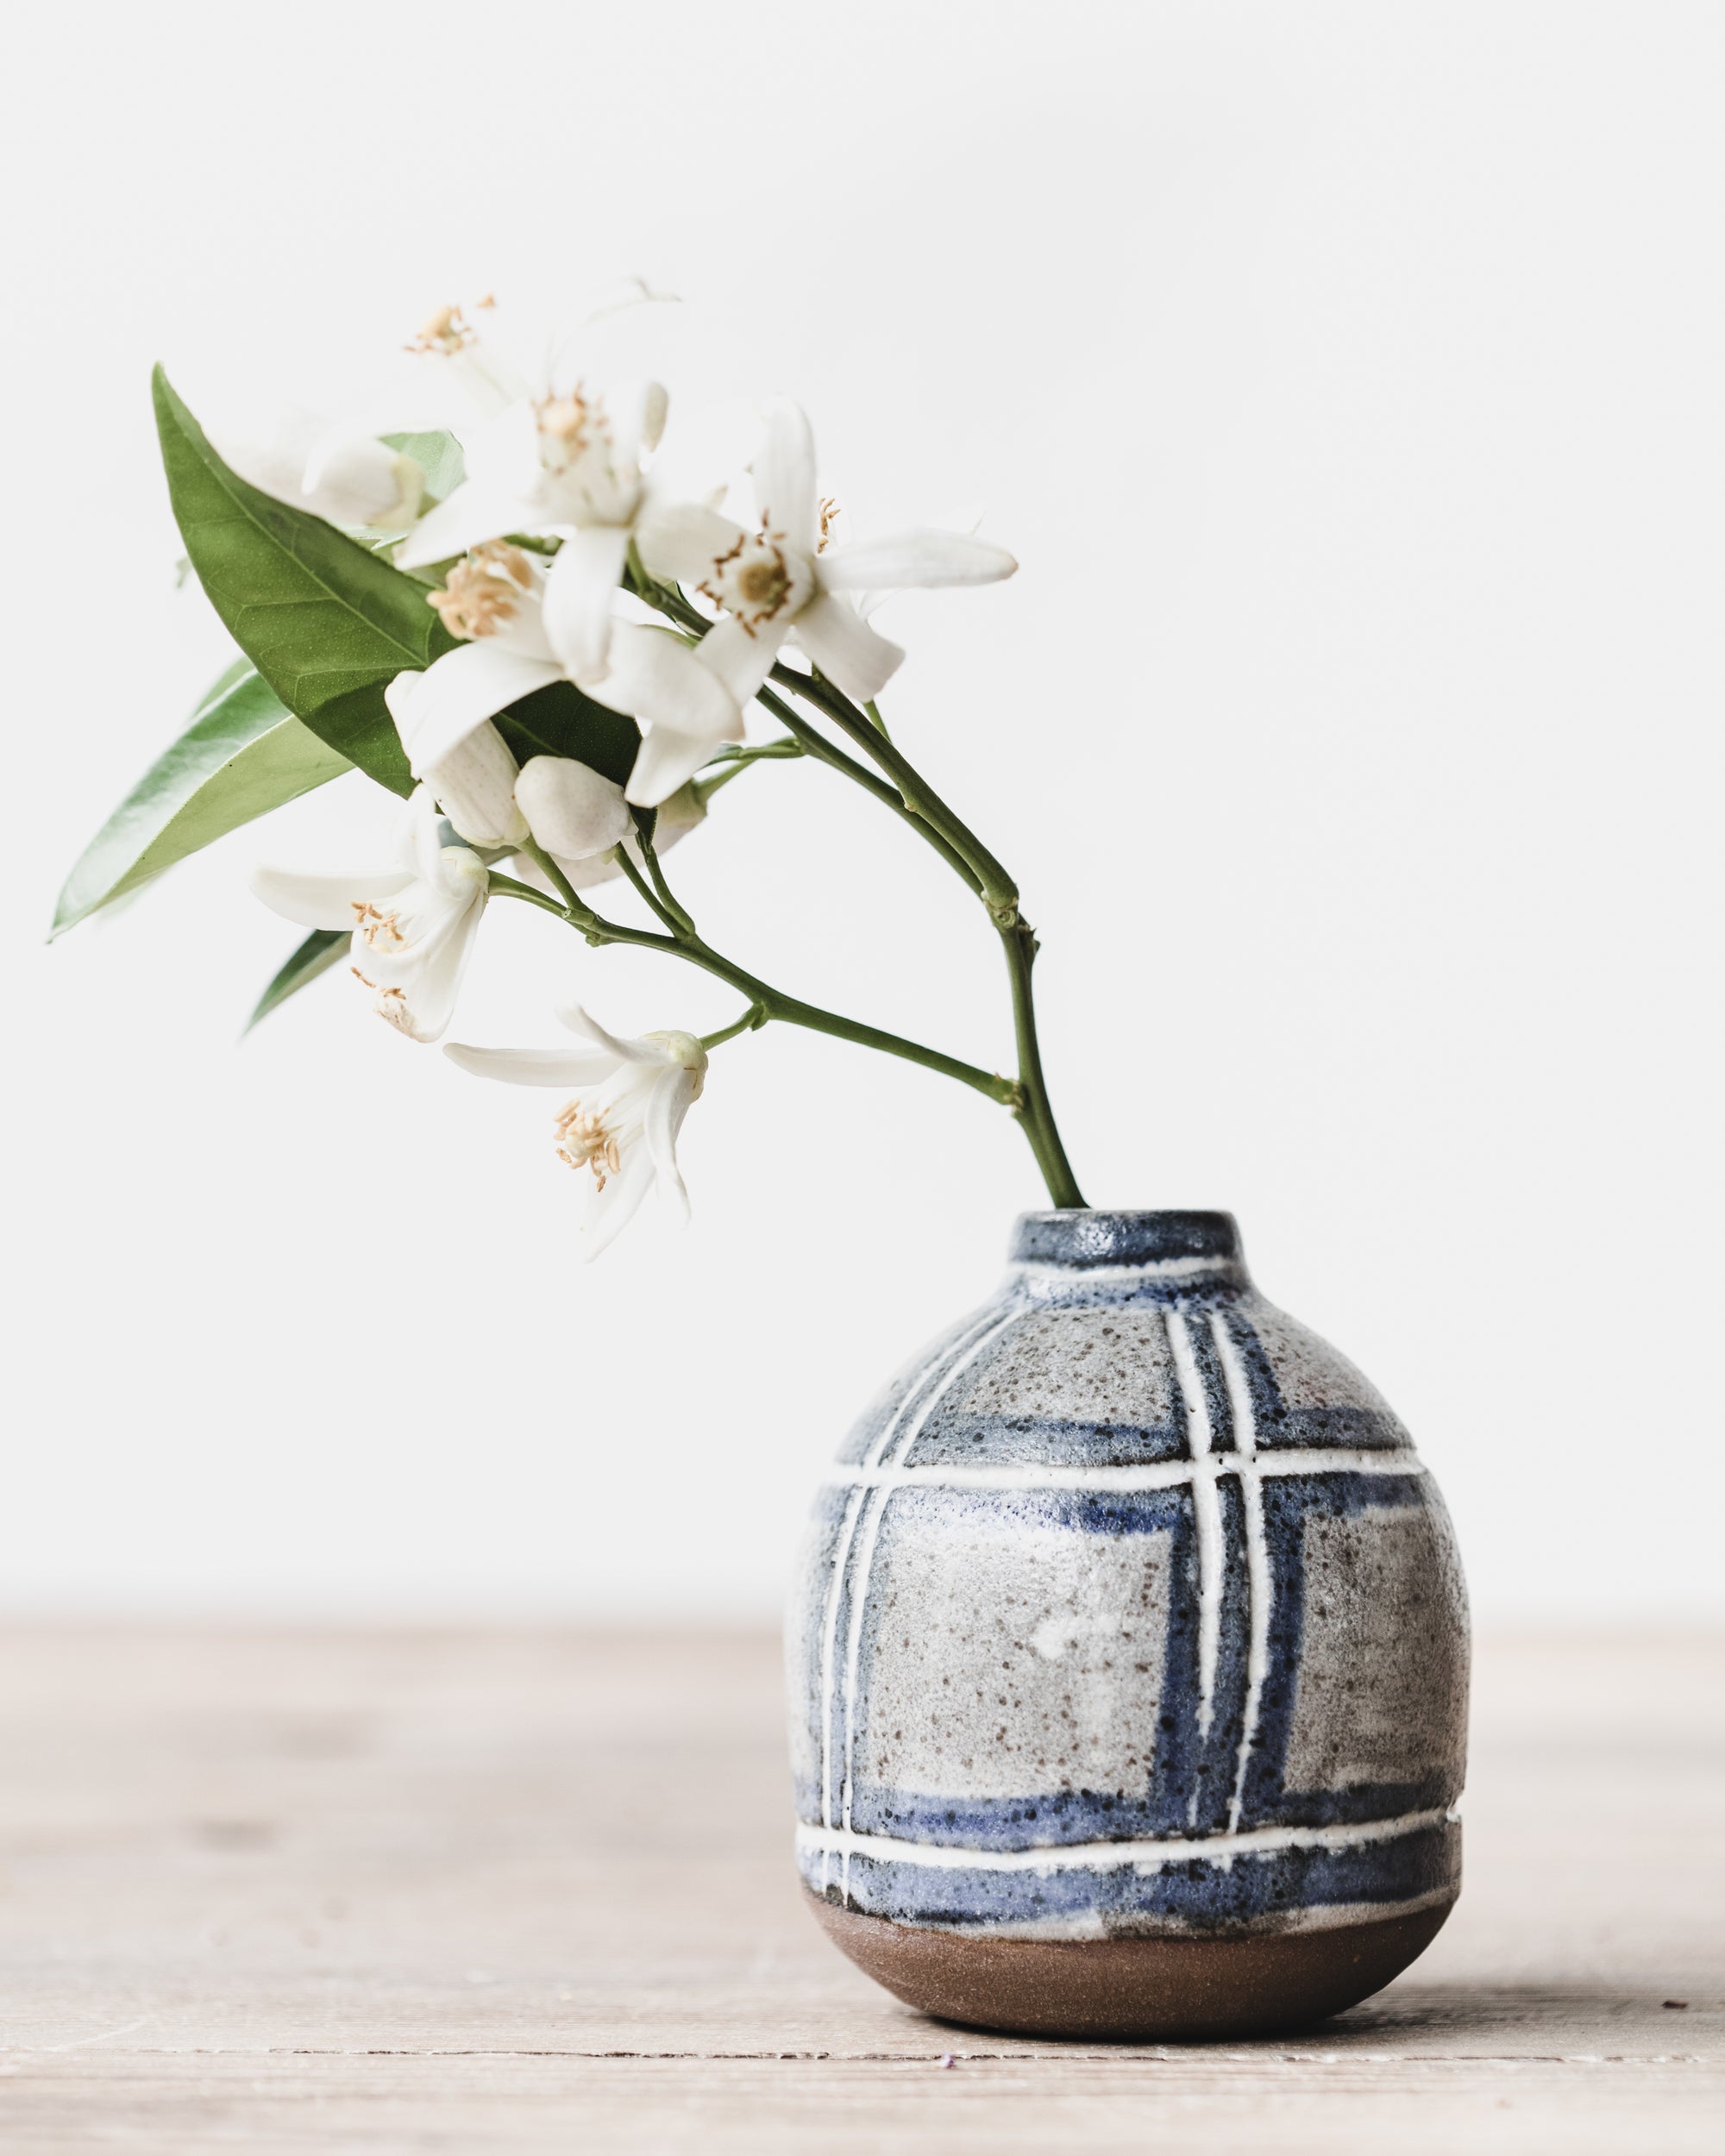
[447, 331]
[570, 424]
[829, 515]
[761, 585]
[584, 1142]
[377, 931]
[481, 593]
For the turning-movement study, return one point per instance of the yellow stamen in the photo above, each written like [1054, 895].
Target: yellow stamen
[483, 592]
[446, 331]
[584, 1142]
[377, 931]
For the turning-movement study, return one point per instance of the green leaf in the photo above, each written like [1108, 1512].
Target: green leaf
[437, 454]
[324, 621]
[559, 721]
[322, 949]
[243, 755]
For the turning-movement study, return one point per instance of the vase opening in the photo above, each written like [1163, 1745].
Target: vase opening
[1081, 1238]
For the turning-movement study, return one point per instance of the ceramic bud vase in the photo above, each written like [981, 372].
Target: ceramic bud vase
[1128, 1658]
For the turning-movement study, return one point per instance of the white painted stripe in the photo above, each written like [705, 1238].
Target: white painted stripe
[1321, 1917]
[1258, 1582]
[1033, 1273]
[835, 1588]
[841, 1559]
[1146, 1474]
[1206, 1514]
[1112, 1855]
[871, 1531]
[1239, 1392]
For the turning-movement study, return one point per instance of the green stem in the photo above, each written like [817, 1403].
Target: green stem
[999, 893]
[734, 762]
[772, 1003]
[912, 798]
[816, 744]
[752, 1017]
[1036, 1115]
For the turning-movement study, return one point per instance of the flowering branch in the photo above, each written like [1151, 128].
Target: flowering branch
[682, 941]
[439, 609]
[912, 798]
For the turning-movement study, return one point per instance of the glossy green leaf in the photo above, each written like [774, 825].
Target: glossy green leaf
[322, 949]
[243, 755]
[325, 621]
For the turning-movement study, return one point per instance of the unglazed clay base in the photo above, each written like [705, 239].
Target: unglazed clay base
[1142, 1989]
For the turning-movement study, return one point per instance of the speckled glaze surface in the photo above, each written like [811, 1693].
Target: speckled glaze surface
[1128, 1611]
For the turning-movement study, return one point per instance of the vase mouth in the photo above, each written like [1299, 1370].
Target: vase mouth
[1081, 1238]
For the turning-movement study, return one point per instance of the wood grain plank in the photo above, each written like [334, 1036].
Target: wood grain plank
[399, 1890]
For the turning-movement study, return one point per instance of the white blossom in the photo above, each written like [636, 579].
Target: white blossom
[619, 1130]
[413, 920]
[783, 578]
[560, 464]
[495, 599]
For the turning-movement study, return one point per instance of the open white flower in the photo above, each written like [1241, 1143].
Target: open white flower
[619, 1129]
[783, 578]
[344, 476]
[563, 465]
[495, 597]
[414, 921]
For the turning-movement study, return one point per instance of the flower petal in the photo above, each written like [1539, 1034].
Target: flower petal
[472, 514]
[430, 995]
[911, 559]
[457, 693]
[617, 1051]
[352, 479]
[325, 901]
[784, 477]
[666, 762]
[475, 788]
[684, 540]
[612, 1208]
[654, 677]
[852, 657]
[667, 1106]
[579, 589]
[741, 658]
[560, 1067]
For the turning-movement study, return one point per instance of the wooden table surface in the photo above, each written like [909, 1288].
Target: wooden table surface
[473, 1891]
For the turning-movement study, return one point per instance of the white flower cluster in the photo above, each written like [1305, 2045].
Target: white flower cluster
[565, 495]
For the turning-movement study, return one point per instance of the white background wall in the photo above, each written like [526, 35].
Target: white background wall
[1347, 378]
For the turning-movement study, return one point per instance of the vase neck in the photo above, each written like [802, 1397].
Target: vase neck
[1082, 1242]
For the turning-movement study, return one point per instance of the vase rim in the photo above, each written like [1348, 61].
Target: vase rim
[1094, 1235]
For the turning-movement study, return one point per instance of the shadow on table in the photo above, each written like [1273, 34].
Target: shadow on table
[1572, 2015]
[1461, 2021]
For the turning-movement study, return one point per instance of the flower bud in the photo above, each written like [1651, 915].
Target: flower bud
[474, 785]
[351, 480]
[571, 810]
[346, 478]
